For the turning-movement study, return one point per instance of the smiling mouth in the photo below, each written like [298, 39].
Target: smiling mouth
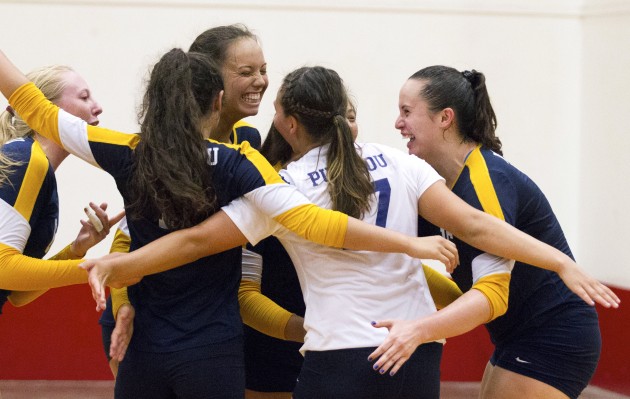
[408, 136]
[252, 98]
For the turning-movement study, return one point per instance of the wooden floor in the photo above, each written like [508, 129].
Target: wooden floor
[105, 390]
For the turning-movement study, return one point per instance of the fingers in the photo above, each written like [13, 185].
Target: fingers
[450, 255]
[388, 357]
[98, 289]
[601, 294]
[99, 211]
[117, 218]
[95, 221]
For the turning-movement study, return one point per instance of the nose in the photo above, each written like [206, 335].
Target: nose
[261, 80]
[97, 109]
[398, 124]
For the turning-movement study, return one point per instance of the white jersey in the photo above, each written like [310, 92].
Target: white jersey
[345, 290]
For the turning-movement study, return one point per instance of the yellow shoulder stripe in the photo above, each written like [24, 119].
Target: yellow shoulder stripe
[32, 183]
[480, 179]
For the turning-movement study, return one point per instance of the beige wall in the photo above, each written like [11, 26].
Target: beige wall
[556, 74]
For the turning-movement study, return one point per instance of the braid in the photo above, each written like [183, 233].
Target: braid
[317, 98]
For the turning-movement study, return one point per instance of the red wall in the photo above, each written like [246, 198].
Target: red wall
[57, 337]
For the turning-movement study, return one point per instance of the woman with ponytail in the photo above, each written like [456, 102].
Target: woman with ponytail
[547, 339]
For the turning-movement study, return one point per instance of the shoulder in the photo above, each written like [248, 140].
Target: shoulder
[244, 131]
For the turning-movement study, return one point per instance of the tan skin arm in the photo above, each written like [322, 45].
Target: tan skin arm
[467, 312]
[441, 207]
[185, 246]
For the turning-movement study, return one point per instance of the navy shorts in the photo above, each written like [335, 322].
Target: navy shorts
[347, 374]
[213, 371]
[562, 353]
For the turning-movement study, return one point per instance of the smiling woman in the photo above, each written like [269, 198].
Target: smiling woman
[243, 68]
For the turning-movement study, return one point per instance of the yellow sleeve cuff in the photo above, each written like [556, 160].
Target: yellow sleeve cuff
[443, 290]
[260, 312]
[65, 254]
[119, 298]
[496, 288]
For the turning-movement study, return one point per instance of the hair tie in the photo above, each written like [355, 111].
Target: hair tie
[10, 110]
[468, 74]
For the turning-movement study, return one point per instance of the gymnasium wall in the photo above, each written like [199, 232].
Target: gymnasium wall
[556, 71]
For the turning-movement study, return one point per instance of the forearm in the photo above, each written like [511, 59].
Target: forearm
[12, 78]
[367, 237]
[467, 312]
[494, 236]
[486, 232]
[22, 273]
[261, 313]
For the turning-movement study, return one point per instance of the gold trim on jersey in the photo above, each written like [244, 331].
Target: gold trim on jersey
[480, 179]
[32, 183]
[107, 136]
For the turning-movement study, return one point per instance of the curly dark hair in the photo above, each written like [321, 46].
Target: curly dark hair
[171, 179]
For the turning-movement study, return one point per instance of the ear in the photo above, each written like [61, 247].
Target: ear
[218, 102]
[447, 118]
[293, 124]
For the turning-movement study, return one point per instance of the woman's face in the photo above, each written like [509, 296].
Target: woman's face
[416, 122]
[77, 100]
[351, 116]
[245, 78]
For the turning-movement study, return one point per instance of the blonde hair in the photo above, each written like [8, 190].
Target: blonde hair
[49, 80]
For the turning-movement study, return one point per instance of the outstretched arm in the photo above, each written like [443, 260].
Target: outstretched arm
[441, 207]
[219, 233]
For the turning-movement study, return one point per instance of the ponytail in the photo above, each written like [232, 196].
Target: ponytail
[466, 93]
[317, 97]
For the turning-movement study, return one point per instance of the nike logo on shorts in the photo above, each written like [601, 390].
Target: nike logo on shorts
[518, 359]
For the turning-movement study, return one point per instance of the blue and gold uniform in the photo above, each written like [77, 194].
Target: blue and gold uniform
[548, 333]
[29, 213]
[189, 313]
[243, 131]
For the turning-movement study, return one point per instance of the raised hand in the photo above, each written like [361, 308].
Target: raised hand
[91, 232]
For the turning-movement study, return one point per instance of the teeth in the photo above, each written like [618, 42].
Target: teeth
[410, 137]
[252, 97]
